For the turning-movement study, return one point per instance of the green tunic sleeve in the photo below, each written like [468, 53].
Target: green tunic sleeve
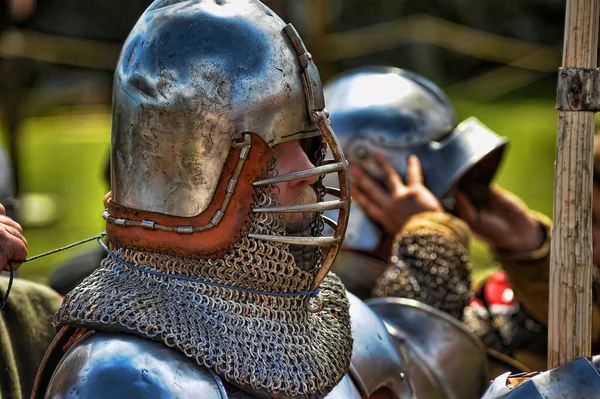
[25, 334]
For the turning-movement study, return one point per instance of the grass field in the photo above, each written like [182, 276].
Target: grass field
[63, 157]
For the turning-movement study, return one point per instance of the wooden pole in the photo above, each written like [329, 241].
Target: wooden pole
[570, 316]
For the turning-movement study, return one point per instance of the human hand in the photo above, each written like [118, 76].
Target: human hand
[13, 245]
[504, 223]
[391, 208]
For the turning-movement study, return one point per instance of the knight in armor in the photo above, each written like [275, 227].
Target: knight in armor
[408, 157]
[217, 281]
[411, 160]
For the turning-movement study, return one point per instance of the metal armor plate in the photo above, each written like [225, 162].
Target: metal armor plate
[444, 359]
[123, 366]
[376, 361]
[579, 379]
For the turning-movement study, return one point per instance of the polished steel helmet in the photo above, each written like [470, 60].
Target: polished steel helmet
[203, 91]
[399, 113]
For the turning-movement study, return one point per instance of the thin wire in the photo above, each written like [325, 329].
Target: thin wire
[75, 244]
[12, 269]
[10, 283]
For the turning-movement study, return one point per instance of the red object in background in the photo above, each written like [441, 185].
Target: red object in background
[496, 295]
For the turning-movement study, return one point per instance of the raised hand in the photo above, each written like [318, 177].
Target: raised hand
[505, 223]
[13, 245]
[391, 208]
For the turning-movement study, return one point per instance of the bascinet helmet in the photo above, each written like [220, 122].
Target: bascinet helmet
[203, 260]
[399, 113]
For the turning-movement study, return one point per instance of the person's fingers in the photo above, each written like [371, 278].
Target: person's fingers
[465, 209]
[19, 250]
[372, 210]
[15, 233]
[12, 249]
[368, 186]
[2, 210]
[414, 173]
[9, 222]
[392, 179]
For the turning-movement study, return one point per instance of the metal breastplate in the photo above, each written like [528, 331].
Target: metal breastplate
[127, 366]
[376, 361]
[444, 360]
[123, 366]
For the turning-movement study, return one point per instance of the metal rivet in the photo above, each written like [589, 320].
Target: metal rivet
[185, 229]
[231, 185]
[315, 304]
[217, 217]
[244, 152]
[148, 224]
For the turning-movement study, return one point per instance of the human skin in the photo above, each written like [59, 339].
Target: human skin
[289, 158]
[13, 246]
[505, 223]
[391, 206]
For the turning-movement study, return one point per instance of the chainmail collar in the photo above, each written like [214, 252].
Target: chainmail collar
[246, 315]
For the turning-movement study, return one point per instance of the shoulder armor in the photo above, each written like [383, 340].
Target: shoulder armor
[444, 359]
[125, 366]
[376, 361]
[579, 379]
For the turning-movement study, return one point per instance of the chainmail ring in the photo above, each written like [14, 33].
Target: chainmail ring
[429, 267]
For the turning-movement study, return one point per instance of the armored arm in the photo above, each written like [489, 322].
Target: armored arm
[122, 366]
[430, 263]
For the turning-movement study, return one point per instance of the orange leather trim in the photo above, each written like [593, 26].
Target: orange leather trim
[212, 242]
[75, 338]
[50, 361]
